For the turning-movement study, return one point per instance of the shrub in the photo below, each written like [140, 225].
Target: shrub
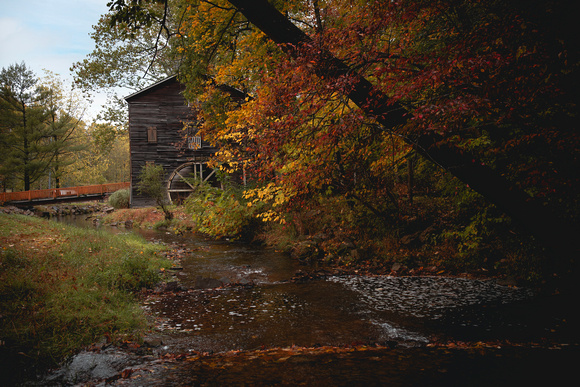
[220, 213]
[120, 199]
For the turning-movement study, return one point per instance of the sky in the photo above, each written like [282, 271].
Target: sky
[49, 34]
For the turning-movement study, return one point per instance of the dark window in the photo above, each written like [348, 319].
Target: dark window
[152, 134]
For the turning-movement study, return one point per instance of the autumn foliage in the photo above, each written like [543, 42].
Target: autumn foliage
[376, 114]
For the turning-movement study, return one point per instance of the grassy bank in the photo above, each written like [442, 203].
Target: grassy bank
[62, 288]
[151, 217]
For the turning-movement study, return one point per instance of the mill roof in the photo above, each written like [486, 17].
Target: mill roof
[152, 87]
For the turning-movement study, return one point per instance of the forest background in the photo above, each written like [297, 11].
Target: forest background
[416, 133]
[44, 141]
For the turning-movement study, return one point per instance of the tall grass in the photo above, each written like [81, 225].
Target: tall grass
[62, 288]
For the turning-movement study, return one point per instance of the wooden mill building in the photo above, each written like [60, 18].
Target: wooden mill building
[157, 117]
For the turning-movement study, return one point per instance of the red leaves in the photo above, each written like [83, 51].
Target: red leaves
[473, 75]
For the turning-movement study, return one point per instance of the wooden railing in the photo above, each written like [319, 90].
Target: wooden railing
[54, 193]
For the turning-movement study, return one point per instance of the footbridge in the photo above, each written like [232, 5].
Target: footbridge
[60, 195]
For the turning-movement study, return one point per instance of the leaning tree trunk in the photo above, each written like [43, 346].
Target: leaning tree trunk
[538, 220]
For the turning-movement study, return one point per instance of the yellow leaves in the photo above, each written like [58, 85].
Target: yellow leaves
[234, 136]
[272, 216]
[225, 156]
[273, 195]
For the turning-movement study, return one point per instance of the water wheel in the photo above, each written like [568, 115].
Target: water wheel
[182, 181]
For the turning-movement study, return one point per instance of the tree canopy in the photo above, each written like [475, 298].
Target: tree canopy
[343, 93]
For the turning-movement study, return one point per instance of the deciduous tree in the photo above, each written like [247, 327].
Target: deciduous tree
[345, 88]
[63, 125]
[411, 93]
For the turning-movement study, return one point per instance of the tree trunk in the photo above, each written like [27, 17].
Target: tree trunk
[538, 220]
[410, 178]
[26, 166]
[26, 150]
[56, 176]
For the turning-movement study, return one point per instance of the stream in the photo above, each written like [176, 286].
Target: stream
[238, 318]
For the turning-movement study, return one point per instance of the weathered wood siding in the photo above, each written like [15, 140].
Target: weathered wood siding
[163, 107]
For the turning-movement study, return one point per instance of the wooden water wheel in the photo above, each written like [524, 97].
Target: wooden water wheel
[183, 180]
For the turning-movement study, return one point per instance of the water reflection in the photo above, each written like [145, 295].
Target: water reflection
[282, 314]
[272, 311]
[429, 297]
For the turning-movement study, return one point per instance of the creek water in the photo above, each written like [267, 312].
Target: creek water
[265, 309]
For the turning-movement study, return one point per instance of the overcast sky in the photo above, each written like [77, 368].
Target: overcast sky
[47, 34]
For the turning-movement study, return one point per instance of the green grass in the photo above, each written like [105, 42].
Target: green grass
[62, 288]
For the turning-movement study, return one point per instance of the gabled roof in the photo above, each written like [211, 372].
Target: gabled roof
[236, 94]
[151, 87]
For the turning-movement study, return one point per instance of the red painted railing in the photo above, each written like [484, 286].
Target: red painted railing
[53, 193]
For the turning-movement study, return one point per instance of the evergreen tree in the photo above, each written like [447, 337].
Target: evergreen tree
[23, 129]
